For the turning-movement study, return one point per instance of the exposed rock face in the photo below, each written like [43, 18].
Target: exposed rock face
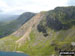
[25, 30]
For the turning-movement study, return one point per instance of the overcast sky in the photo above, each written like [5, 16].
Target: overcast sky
[20, 6]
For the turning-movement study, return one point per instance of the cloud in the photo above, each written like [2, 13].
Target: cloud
[31, 5]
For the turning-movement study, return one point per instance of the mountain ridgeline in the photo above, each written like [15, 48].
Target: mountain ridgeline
[61, 18]
[43, 34]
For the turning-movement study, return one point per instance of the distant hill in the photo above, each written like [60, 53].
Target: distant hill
[9, 27]
[24, 18]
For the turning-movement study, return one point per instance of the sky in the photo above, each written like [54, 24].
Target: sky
[20, 6]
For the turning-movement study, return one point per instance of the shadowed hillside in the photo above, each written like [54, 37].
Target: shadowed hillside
[9, 27]
[61, 18]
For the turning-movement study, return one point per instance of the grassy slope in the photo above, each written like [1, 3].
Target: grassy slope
[39, 46]
[8, 43]
[44, 47]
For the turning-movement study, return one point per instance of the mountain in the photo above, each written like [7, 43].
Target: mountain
[9, 27]
[53, 33]
[44, 34]
[24, 18]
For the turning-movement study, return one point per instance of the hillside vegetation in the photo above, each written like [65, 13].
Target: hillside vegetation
[45, 34]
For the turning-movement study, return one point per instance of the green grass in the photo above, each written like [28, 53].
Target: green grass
[8, 43]
[40, 47]
[32, 36]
